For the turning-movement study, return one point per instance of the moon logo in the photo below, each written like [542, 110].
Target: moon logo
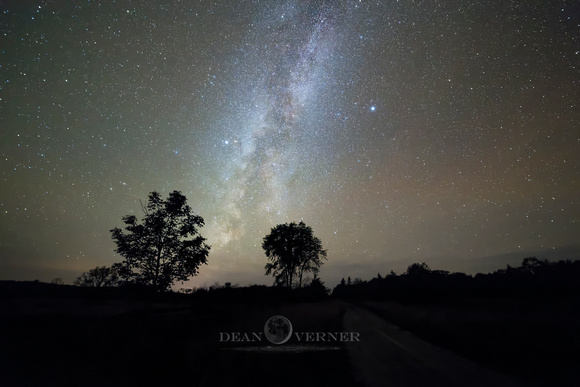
[278, 329]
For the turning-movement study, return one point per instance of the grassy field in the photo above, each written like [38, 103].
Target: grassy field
[63, 340]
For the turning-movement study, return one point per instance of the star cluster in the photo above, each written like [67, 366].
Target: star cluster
[400, 131]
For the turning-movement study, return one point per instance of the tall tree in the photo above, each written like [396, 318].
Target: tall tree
[166, 246]
[293, 251]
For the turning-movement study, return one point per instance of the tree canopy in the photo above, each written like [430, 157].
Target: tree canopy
[99, 276]
[292, 251]
[165, 247]
[418, 269]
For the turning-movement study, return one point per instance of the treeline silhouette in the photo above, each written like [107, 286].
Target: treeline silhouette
[216, 294]
[260, 294]
[534, 278]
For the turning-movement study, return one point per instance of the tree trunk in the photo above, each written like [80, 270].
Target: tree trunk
[157, 267]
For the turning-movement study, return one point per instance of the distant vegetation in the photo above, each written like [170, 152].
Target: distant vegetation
[534, 278]
[100, 276]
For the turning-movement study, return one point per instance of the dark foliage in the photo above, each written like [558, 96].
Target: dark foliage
[535, 278]
[293, 251]
[165, 247]
[100, 276]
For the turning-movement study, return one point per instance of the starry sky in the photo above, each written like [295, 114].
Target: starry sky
[444, 132]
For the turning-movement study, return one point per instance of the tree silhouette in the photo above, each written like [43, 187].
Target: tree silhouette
[165, 247]
[317, 288]
[532, 265]
[99, 276]
[418, 269]
[293, 251]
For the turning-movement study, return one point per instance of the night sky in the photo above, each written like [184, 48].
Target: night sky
[444, 132]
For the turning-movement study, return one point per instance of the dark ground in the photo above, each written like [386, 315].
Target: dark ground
[61, 335]
[70, 339]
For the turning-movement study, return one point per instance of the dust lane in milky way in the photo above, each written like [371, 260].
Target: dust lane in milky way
[281, 73]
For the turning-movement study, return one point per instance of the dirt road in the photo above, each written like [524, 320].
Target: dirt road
[389, 356]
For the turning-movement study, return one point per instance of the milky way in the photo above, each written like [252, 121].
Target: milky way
[274, 139]
[400, 131]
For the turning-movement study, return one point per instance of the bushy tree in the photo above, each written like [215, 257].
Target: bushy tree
[418, 269]
[318, 286]
[532, 265]
[293, 251]
[99, 276]
[165, 247]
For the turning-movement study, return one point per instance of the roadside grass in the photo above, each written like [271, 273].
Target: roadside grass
[535, 340]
